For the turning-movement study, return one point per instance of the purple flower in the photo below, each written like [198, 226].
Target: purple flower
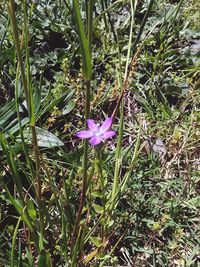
[96, 133]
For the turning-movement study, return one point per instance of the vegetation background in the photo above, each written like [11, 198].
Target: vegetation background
[134, 200]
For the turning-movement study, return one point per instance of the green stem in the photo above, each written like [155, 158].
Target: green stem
[90, 23]
[33, 129]
[85, 167]
[123, 88]
[118, 152]
[110, 21]
[11, 9]
[85, 45]
[29, 100]
[20, 124]
[104, 15]
[99, 164]
[142, 25]
[119, 142]
[13, 242]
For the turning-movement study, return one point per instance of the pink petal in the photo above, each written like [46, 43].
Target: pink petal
[106, 125]
[95, 140]
[92, 125]
[84, 134]
[108, 134]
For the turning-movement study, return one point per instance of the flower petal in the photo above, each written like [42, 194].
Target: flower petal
[106, 125]
[84, 134]
[108, 134]
[95, 140]
[92, 125]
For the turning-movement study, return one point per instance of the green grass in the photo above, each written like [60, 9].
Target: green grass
[133, 200]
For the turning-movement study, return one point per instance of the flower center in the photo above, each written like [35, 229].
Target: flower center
[98, 134]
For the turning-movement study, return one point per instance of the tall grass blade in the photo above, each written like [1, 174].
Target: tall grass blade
[44, 259]
[14, 242]
[84, 44]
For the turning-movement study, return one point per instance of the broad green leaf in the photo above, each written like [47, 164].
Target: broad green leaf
[98, 208]
[37, 98]
[96, 194]
[31, 210]
[8, 106]
[44, 137]
[68, 108]
[96, 240]
[7, 112]
[16, 127]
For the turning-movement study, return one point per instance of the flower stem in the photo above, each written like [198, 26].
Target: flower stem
[85, 167]
[99, 165]
[86, 47]
[119, 141]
